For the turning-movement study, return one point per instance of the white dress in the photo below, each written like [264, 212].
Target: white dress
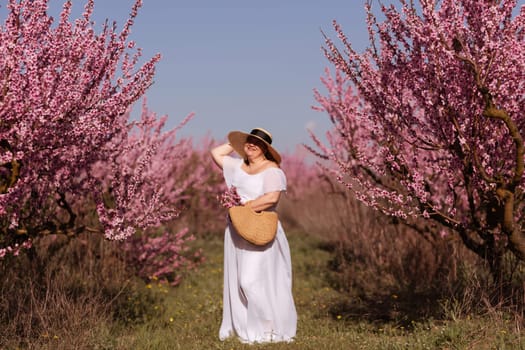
[258, 305]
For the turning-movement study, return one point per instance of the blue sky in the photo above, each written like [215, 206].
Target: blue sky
[236, 64]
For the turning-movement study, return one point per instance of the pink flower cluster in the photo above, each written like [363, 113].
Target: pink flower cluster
[229, 198]
[428, 121]
[65, 136]
[15, 249]
[163, 256]
[145, 177]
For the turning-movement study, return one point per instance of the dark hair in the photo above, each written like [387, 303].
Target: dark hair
[269, 156]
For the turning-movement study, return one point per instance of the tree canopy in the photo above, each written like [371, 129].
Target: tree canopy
[428, 120]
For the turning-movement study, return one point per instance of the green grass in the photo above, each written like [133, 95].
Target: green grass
[189, 316]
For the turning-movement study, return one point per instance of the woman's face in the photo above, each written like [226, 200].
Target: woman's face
[253, 147]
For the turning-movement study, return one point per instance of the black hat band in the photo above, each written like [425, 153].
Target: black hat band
[261, 134]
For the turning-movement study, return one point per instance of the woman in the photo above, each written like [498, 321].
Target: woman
[258, 304]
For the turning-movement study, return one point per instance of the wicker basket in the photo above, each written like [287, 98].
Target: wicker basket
[258, 228]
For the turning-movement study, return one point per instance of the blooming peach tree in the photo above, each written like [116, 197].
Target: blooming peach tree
[65, 132]
[429, 119]
[141, 189]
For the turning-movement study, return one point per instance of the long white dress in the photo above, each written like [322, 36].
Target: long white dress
[258, 305]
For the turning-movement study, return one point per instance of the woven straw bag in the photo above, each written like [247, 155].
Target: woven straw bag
[258, 228]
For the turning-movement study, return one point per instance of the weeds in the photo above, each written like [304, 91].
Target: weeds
[116, 312]
[363, 284]
[68, 295]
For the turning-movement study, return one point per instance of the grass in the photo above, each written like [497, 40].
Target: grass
[189, 316]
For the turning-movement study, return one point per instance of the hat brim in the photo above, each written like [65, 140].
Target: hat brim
[238, 138]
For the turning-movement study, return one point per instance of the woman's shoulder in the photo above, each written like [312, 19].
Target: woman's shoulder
[273, 168]
[270, 166]
[273, 165]
[274, 179]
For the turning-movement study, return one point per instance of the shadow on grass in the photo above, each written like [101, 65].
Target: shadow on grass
[400, 310]
[365, 295]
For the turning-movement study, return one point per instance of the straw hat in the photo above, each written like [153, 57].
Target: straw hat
[238, 138]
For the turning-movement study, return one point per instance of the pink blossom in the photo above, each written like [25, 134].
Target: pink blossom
[67, 142]
[163, 256]
[428, 121]
[229, 198]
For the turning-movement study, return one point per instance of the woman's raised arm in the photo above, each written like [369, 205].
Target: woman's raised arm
[218, 153]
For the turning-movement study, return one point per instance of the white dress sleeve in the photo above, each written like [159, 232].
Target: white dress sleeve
[229, 166]
[274, 180]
